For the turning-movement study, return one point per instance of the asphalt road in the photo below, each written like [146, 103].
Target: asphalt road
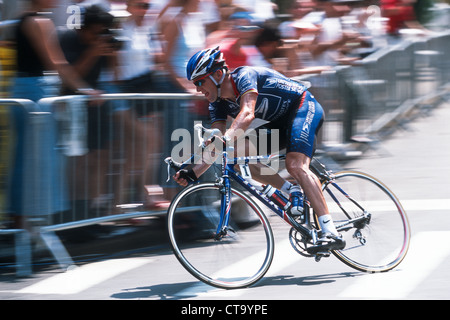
[414, 162]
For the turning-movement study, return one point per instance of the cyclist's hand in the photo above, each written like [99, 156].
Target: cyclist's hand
[182, 182]
[185, 176]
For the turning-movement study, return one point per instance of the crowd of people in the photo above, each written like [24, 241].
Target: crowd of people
[146, 50]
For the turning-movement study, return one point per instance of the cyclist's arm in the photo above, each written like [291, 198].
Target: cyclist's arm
[244, 117]
[237, 129]
[207, 159]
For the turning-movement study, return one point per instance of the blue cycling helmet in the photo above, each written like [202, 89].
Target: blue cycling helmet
[204, 62]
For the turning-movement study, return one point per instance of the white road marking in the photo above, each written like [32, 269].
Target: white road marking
[425, 204]
[284, 256]
[408, 205]
[427, 250]
[78, 279]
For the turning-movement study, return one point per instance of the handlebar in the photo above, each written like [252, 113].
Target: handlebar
[202, 131]
[203, 136]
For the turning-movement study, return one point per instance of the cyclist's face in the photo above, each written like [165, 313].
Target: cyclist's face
[207, 88]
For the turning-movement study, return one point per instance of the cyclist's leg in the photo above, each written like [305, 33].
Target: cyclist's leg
[297, 165]
[305, 123]
[260, 172]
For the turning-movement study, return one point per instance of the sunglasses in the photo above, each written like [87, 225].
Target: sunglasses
[200, 82]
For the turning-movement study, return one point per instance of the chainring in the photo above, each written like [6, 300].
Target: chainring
[299, 243]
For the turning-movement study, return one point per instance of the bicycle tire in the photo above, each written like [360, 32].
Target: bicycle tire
[382, 243]
[238, 260]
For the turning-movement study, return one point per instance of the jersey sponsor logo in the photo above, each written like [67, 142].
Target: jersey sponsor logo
[270, 107]
[261, 110]
[308, 120]
[270, 83]
[285, 85]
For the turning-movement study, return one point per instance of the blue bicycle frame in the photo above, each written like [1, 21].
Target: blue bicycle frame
[228, 172]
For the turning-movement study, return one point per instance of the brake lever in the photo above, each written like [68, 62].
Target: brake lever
[202, 132]
[171, 165]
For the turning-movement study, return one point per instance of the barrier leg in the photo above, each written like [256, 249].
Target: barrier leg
[57, 249]
[23, 253]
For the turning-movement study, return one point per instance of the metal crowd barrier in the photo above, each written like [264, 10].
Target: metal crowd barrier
[93, 163]
[106, 173]
[109, 145]
[361, 100]
[82, 161]
[15, 143]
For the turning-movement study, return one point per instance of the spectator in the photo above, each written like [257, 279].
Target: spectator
[267, 44]
[289, 29]
[366, 21]
[38, 51]
[282, 57]
[224, 26]
[91, 51]
[182, 28]
[332, 39]
[261, 10]
[401, 15]
[240, 33]
[184, 34]
[138, 73]
[141, 50]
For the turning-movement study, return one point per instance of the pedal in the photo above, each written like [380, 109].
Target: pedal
[326, 246]
[320, 255]
[317, 249]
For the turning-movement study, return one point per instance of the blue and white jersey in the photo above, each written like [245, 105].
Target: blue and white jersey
[277, 94]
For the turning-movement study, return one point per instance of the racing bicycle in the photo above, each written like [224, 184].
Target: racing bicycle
[220, 234]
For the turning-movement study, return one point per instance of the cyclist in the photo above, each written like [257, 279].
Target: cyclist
[255, 92]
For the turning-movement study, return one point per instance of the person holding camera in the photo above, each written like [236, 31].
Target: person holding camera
[92, 50]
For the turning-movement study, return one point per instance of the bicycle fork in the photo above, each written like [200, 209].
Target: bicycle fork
[225, 209]
[225, 200]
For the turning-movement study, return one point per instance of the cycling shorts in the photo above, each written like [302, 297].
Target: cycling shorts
[297, 131]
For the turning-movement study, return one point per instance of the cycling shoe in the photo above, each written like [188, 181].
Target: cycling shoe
[326, 243]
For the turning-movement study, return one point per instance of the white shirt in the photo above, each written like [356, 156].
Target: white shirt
[331, 30]
[136, 56]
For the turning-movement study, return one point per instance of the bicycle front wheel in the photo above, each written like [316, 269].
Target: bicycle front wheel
[371, 219]
[240, 258]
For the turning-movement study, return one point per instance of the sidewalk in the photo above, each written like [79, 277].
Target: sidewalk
[92, 243]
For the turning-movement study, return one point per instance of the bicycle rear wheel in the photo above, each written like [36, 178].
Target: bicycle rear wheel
[237, 260]
[379, 240]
